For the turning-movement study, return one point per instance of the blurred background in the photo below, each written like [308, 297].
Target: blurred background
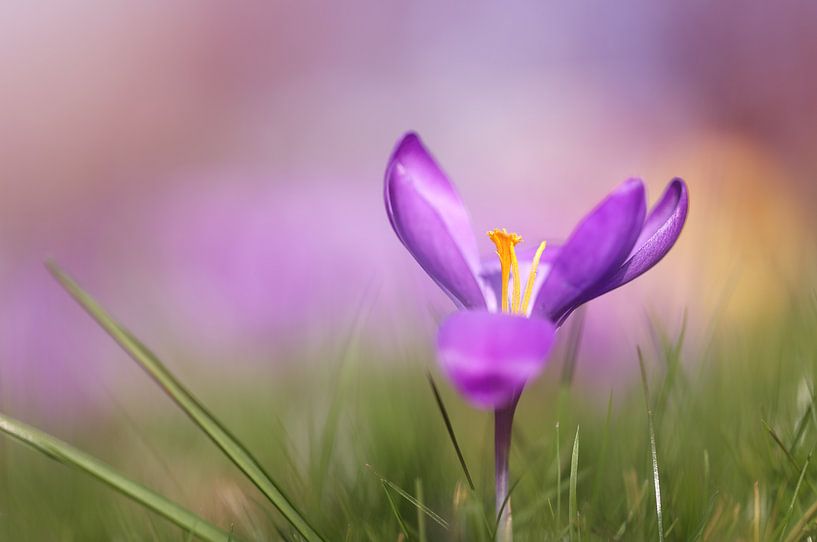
[212, 173]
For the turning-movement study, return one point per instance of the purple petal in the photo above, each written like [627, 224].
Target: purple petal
[490, 356]
[598, 245]
[661, 230]
[431, 221]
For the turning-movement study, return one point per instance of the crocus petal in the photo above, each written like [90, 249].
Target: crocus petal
[661, 230]
[595, 249]
[490, 356]
[430, 219]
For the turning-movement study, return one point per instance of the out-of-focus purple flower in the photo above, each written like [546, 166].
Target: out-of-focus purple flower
[615, 243]
[255, 264]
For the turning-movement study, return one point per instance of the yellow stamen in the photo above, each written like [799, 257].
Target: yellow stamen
[517, 286]
[505, 243]
[532, 277]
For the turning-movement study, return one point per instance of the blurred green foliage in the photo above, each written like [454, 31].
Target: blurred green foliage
[358, 442]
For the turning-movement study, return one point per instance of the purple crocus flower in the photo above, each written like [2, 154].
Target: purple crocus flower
[501, 337]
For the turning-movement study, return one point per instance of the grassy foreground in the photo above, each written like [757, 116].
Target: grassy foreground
[360, 451]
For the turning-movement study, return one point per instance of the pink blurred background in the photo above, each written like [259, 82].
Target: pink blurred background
[212, 171]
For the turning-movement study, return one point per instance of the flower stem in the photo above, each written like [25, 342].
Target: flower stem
[503, 421]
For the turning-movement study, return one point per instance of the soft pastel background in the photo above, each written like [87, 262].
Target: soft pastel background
[213, 172]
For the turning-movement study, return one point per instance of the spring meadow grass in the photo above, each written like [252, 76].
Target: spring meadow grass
[712, 446]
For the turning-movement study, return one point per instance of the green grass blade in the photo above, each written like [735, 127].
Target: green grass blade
[777, 440]
[572, 507]
[421, 518]
[450, 429]
[798, 528]
[653, 449]
[801, 429]
[756, 513]
[438, 519]
[420, 506]
[558, 481]
[505, 502]
[395, 511]
[772, 433]
[234, 450]
[790, 510]
[65, 453]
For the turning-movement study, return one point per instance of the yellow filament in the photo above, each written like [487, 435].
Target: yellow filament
[532, 277]
[517, 286]
[505, 243]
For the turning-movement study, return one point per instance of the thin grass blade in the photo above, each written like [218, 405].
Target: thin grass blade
[438, 519]
[653, 449]
[65, 453]
[572, 500]
[450, 429]
[505, 502]
[794, 497]
[798, 528]
[801, 429]
[756, 514]
[772, 433]
[395, 511]
[421, 518]
[228, 443]
[558, 481]
[777, 440]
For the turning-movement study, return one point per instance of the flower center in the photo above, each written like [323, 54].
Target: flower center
[505, 243]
